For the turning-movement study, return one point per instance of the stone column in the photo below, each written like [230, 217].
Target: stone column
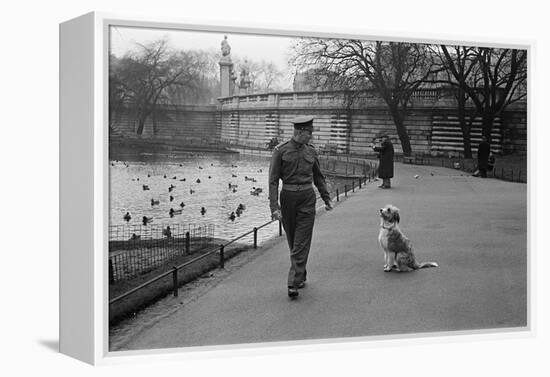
[225, 78]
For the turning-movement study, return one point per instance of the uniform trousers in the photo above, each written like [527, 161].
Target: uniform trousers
[298, 217]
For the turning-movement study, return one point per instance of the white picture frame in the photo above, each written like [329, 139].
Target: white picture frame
[84, 183]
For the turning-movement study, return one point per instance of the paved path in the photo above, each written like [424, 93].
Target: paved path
[476, 229]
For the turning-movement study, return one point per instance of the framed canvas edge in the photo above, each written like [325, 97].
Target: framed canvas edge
[101, 42]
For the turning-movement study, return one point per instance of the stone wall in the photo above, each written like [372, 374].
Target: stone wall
[174, 122]
[254, 119]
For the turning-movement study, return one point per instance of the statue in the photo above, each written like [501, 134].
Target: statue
[226, 49]
[245, 80]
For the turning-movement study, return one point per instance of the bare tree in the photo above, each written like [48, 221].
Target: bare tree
[394, 69]
[461, 67]
[496, 80]
[268, 76]
[146, 75]
[206, 86]
[118, 94]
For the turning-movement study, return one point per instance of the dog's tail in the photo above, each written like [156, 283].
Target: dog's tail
[428, 264]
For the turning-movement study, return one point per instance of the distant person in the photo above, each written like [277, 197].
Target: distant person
[385, 156]
[483, 152]
[272, 143]
[295, 163]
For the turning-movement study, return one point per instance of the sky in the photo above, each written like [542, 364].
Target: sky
[246, 46]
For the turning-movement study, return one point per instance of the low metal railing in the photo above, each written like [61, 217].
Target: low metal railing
[513, 174]
[136, 249]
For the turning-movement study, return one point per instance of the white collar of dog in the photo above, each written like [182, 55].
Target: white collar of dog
[391, 227]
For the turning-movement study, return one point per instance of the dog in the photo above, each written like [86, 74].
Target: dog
[398, 251]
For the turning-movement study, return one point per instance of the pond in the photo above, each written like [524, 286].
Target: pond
[152, 184]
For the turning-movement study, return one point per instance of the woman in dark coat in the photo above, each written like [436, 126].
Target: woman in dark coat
[483, 152]
[385, 153]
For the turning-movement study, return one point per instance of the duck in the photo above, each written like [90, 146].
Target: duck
[145, 220]
[241, 207]
[200, 167]
[182, 180]
[135, 237]
[256, 191]
[182, 204]
[234, 190]
[191, 191]
[167, 232]
[148, 175]
[145, 187]
[155, 202]
[233, 175]
[164, 175]
[203, 211]
[127, 217]
[198, 180]
[174, 177]
[171, 188]
[209, 177]
[173, 212]
[171, 198]
[232, 216]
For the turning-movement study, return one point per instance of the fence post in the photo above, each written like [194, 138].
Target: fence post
[345, 190]
[175, 280]
[187, 242]
[111, 272]
[337, 195]
[255, 238]
[353, 185]
[222, 265]
[280, 228]
[360, 179]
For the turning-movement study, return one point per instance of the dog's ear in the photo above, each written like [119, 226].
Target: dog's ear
[396, 217]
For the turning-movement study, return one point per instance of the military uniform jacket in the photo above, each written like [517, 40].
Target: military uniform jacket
[296, 164]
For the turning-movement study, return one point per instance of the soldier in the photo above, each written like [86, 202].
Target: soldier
[295, 163]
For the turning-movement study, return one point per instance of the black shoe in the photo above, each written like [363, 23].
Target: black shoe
[292, 292]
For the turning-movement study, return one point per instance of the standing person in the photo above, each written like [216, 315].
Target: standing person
[295, 162]
[483, 152]
[385, 167]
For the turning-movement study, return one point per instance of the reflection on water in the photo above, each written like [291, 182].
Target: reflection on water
[197, 181]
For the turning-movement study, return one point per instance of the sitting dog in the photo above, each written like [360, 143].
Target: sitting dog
[398, 252]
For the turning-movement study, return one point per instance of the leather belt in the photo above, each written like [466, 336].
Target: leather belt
[291, 187]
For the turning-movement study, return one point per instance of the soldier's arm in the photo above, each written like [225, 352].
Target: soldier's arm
[319, 180]
[274, 175]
